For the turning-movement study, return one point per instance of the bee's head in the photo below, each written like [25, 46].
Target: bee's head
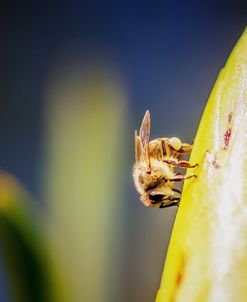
[152, 200]
[162, 196]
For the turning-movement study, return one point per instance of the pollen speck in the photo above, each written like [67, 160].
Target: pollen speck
[230, 117]
[227, 137]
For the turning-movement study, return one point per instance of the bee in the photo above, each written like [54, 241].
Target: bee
[153, 171]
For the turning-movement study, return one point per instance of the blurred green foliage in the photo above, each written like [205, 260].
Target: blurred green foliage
[23, 245]
[82, 179]
[68, 248]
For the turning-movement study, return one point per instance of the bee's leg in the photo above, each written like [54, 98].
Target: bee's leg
[180, 177]
[176, 190]
[179, 163]
[174, 203]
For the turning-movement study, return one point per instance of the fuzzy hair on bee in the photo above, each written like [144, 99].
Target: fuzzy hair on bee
[153, 171]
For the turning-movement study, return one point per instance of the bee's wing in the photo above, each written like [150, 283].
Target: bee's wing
[144, 135]
[138, 148]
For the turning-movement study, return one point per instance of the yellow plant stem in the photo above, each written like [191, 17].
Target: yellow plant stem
[207, 255]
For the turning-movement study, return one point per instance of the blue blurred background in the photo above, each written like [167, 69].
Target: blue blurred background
[162, 56]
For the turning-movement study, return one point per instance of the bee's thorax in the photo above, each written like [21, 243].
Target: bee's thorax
[159, 174]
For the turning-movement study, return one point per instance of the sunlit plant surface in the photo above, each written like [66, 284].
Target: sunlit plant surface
[207, 256]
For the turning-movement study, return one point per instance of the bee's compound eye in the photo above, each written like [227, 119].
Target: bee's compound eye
[156, 197]
[175, 143]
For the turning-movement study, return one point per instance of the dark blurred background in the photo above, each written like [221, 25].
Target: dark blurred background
[165, 56]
